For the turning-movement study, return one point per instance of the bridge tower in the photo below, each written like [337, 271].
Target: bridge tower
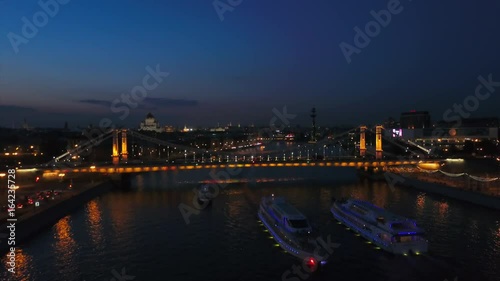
[362, 140]
[124, 145]
[116, 154]
[313, 116]
[378, 146]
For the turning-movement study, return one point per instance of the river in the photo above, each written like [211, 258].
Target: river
[140, 234]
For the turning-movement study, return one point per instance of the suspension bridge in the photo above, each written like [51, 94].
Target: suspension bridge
[327, 152]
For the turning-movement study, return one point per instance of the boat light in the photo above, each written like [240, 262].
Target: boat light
[311, 263]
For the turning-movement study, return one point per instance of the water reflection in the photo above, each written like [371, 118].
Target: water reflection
[420, 204]
[23, 268]
[442, 210]
[357, 193]
[64, 247]
[144, 227]
[140, 181]
[380, 195]
[94, 223]
[23, 262]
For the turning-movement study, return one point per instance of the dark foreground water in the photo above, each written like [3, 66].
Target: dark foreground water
[141, 235]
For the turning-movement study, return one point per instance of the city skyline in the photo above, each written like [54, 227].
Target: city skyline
[241, 68]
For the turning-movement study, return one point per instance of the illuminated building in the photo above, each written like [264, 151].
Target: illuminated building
[169, 129]
[415, 120]
[150, 124]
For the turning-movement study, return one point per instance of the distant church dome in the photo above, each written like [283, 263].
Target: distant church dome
[150, 124]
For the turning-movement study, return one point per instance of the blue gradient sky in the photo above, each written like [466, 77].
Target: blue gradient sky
[265, 54]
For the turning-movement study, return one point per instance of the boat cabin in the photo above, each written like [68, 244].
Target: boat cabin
[384, 219]
[290, 217]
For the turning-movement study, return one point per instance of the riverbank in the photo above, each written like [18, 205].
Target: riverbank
[447, 189]
[32, 222]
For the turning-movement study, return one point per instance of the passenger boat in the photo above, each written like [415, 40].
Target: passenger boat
[388, 231]
[205, 196]
[291, 230]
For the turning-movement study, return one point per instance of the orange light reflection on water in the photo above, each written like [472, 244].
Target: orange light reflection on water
[420, 201]
[64, 245]
[22, 264]
[443, 208]
[94, 222]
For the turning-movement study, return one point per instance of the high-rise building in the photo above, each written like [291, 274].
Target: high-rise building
[415, 120]
[313, 134]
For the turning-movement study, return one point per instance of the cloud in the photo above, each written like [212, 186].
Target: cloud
[149, 103]
[104, 103]
[170, 102]
[6, 109]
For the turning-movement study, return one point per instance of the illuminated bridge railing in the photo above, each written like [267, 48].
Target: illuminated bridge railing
[157, 168]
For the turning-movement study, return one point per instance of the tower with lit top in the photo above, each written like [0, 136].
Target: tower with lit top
[313, 116]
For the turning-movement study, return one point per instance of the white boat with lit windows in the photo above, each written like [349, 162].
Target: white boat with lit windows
[291, 230]
[388, 231]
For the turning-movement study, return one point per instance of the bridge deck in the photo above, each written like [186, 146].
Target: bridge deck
[153, 168]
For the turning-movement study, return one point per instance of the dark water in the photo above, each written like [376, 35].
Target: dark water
[143, 233]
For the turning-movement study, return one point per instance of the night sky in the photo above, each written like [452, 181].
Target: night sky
[262, 55]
